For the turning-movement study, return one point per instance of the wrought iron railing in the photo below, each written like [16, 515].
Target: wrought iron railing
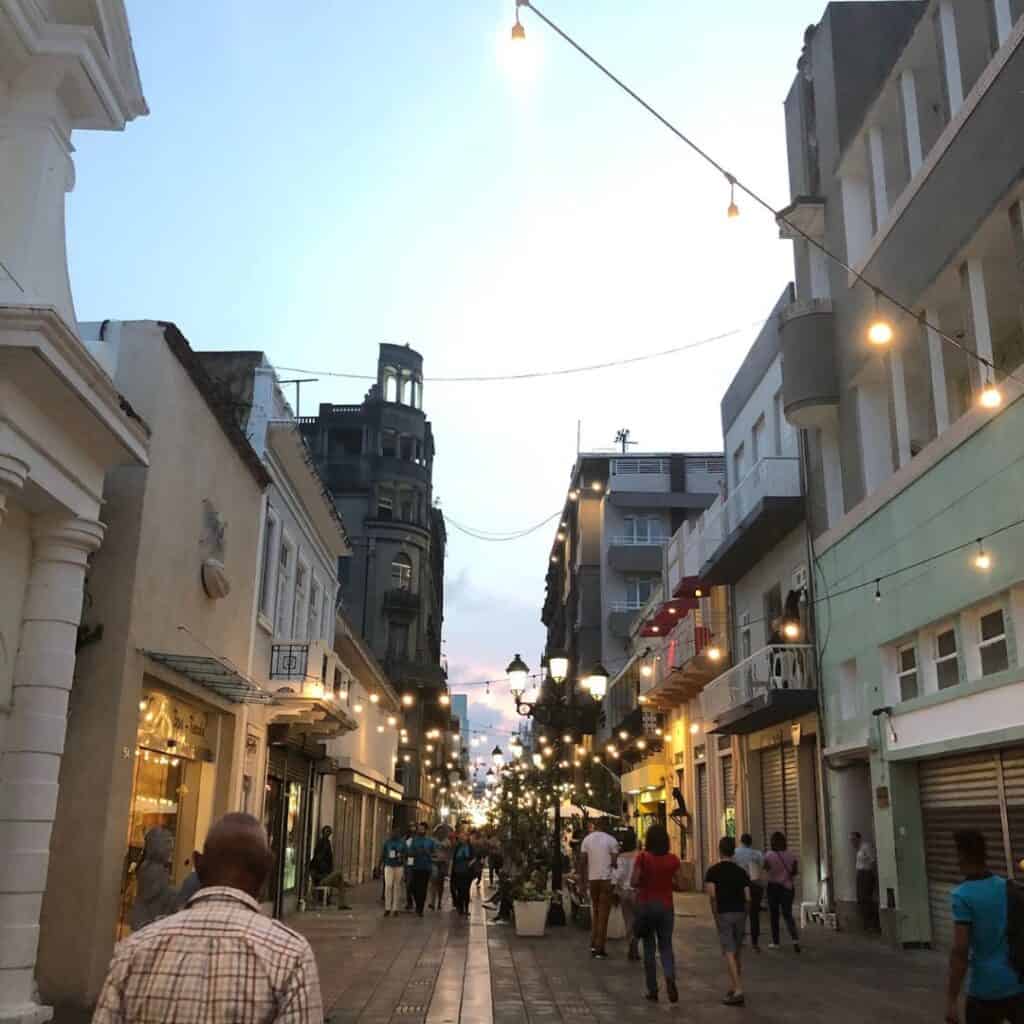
[782, 667]
[289, 661]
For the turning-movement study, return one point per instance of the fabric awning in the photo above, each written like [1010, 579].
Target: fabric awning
[218, 676]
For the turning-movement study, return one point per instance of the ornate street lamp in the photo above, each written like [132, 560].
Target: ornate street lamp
[497, 757]
[596, 681]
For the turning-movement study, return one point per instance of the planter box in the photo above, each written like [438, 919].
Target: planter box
[531, 916]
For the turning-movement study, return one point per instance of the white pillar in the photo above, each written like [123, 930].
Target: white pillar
[937, 365]
[951, 56]
[876, 151]
[911, 120]
[899, 400]
[978, 307]
[821, 287]
[30, 762]
[1004, 19]
[13, 474]
[832, 467]
[856, 217]
[36, 171]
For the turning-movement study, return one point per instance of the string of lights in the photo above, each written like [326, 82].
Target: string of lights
[611, 364]
[880, 332]
[496, 537]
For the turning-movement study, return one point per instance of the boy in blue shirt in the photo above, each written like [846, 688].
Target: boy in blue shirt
[421, 849]
[393, 859]
[980, 904]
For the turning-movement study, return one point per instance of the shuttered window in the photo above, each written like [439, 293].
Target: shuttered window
[983, 791]
[772, 800]
[791, 793]
[704, 813]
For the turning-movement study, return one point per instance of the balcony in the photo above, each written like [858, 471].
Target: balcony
[623, 614]
[401, 604]
[810, 384]
[301, 662]
[771, 686]
[426, 674]
[639, 475]
[733, 534]
[695, 652]
[636, 554]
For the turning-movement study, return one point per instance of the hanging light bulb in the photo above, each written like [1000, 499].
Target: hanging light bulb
[991, 397]
[646, 671]
[791, 630]
[733, 211]
[488, 698]
[641, 744]
[982, 560]
[518, 32]
[714, 653]
[444, 700]
[879, 330]
[408, 700]
[374, 698]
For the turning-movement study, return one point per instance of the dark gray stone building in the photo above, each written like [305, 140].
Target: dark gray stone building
[377, 461]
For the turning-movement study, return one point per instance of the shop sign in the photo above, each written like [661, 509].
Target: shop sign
[679, 758]
[173, 727]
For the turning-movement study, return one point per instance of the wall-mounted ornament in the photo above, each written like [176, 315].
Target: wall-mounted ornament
[215, 579]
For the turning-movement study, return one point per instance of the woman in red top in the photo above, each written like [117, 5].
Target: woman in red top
[656, 874]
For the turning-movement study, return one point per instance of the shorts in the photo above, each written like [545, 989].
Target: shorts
[994, 1011]
[732, 926]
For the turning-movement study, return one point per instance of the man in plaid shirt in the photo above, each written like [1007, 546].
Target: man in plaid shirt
[219, 959]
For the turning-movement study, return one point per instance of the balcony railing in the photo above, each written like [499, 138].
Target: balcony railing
[694, 635]
[786, 667]
[289, 661]
[771, 477]
[633, 541]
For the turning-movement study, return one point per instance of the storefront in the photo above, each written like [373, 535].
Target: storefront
[365, 813]
[173, 783]
[289, 818]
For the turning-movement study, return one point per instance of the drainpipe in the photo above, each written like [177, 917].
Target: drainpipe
[823, 788]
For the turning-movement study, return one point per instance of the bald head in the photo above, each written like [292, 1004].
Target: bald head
[235, 854]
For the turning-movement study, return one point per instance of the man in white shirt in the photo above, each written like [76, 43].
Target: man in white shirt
[599, 853]
[752, 861]
[866, 874]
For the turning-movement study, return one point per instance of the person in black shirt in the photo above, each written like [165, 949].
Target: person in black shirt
[728, 888]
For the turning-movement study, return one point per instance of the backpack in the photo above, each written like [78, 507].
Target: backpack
[1015, 924]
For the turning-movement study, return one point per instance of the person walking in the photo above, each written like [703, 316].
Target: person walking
[656, 874]
[422, 851]
[410, 835]
[440, 869]
[780, 868]
[219, 959]
[322, 862]
[623, 891]
[598, 854]
[867, 874]
[752, 861]
[729, 891]
[980, 942]
[155, 895]
[393, 861]
[462, 874]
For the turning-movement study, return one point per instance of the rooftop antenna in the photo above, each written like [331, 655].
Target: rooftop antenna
[622, 437]
[298, 382]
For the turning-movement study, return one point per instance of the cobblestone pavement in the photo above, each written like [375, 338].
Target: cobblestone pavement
[442, 970]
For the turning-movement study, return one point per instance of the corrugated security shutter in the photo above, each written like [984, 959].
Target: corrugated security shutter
[728, 783]
[791, 784]
[772, 800]
[704, 811]
[957, 793]
[1013, 785]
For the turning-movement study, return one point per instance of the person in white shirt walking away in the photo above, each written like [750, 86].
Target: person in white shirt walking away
[599, 853]
[867, 873]
[219, 960]
[752, 861]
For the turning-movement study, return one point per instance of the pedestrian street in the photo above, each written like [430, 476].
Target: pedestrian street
[440, 970]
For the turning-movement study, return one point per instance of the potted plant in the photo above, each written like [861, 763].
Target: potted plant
[531, 903]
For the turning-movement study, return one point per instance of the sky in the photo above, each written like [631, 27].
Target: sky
[316, 178]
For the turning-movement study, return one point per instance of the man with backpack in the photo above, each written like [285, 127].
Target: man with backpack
[985, 941]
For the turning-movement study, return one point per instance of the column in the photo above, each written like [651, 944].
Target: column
[972, 277]
[30, 763]
[37, 171]
[899, 401]
[911, 120]
[876, 152]
[1003, 18]
[856, 217]
[937, 366]
[950, 57]
[832, 469]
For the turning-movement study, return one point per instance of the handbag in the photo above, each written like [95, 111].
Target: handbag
[616, 924]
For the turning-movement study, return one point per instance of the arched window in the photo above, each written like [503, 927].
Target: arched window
[390, 386]
[404, 386]
[401, 572]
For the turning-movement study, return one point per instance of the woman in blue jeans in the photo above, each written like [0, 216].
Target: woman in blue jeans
[656, 873]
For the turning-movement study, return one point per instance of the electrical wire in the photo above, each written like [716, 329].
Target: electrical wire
[537, 374]
[496, 536]
[735, 183]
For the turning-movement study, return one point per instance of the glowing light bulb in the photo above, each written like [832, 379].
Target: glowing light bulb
[791, 630]
[880, 332]
[695, 728]
[646, 671]
[714, 653]
[408, 700]
[982, 560]
[374, 698]
[991, 397]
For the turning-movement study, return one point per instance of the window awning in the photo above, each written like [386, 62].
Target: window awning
[217, 676]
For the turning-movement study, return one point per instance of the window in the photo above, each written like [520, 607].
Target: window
[385, 504]
[326, 632]
[299, 604]
[757, 447]
[994, 652]
[389, 443]
[401, 573]
[800, 578]
[745, 636]
[284, 572]
[406, 506]
[643, 529]
[313, 631]
[778, 421]
[398, 640]
[738, 466]
[947, 667]
[390, 386]
[638, 590]
[907, 672]
[266, 567]
[407, 448]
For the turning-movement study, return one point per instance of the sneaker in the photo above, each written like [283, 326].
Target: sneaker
[387, 913]
[734, 999]
[499, 920]
[600, 954]
[651, 997]
[673, 992]
[419, 913]
[773, 945]
[756, 948]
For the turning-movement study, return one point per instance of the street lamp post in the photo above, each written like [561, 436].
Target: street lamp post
[557, 710]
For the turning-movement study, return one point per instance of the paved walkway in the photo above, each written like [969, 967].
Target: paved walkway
[442, 970]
